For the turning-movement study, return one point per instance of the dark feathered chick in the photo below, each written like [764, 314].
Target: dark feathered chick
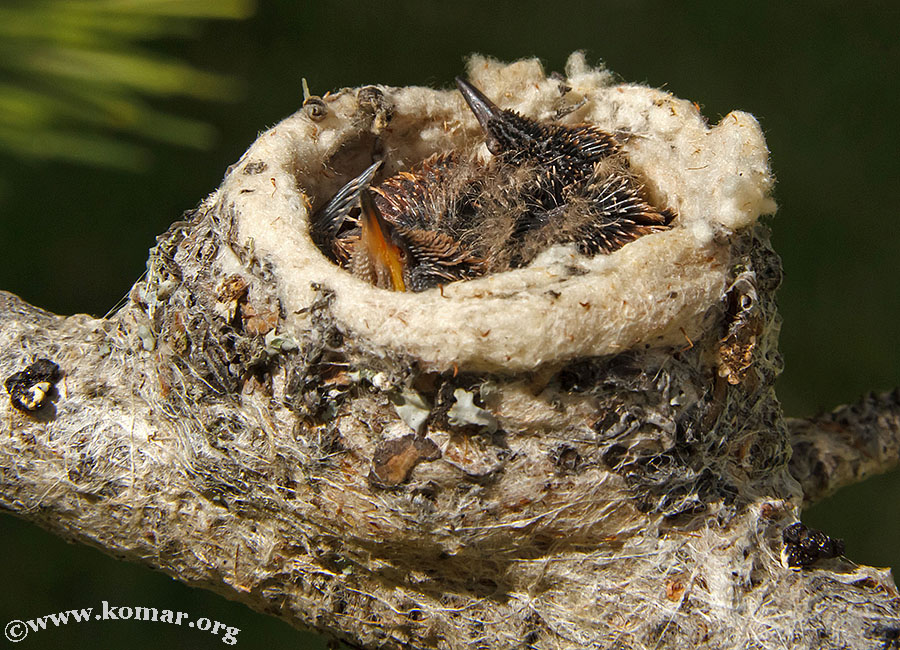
[564, 154]
[402, 258]
[434, 195]
[453, 217]
[556, 184]
[384, 242]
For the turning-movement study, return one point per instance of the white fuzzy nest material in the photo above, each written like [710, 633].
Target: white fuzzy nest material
[653, 291]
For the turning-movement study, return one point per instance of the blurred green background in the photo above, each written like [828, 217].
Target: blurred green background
[821, 78]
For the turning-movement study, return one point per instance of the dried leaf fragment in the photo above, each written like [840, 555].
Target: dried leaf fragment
[395, 459]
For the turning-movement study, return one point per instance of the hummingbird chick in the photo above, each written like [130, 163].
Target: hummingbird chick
[435, 195]
[565, 155]
[454, 217]
[386, 241]
[556, 184]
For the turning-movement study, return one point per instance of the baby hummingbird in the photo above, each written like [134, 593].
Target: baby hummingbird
[454, 217]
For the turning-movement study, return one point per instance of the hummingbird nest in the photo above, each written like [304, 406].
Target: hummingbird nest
[584, 451]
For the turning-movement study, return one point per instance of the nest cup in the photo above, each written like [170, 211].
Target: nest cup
[653, 291]
[550, 406]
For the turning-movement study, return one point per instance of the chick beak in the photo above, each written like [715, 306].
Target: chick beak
[388, 259]
[485, 112]
[326, 223]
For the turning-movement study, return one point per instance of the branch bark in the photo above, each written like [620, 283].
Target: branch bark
[615, 474]
[845, 446]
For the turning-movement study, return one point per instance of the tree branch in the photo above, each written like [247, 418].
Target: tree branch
[846, 446]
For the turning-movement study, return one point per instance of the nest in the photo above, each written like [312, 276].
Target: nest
[485, 463]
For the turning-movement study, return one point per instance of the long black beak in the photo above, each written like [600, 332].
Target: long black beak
[327, 222]
[486, 112]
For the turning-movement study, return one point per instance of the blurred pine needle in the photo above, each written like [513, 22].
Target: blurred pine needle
[75, 79]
